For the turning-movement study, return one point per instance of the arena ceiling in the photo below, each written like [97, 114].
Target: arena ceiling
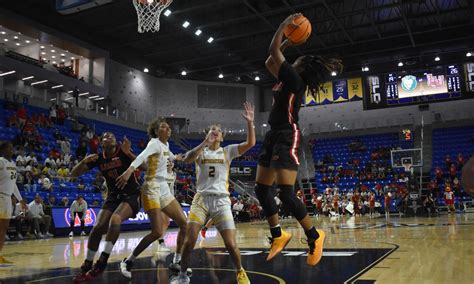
[376, 33]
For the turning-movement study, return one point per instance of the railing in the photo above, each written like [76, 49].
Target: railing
[242, 188]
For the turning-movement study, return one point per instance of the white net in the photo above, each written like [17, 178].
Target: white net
[148, 13]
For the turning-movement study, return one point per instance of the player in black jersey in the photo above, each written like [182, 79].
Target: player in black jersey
[279, 159]
[119, 205]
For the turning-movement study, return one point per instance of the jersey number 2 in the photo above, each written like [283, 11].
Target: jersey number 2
[13, 176]
[212, 171]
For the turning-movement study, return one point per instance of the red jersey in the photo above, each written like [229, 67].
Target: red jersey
[372, 201]
[387, 200]
[449, 197]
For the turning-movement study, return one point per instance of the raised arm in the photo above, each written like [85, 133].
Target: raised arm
[276, 48]
[248, 115]
[192, 155]
[82, 167]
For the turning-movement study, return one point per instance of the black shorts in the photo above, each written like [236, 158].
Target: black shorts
[112, 202]
[281, 149]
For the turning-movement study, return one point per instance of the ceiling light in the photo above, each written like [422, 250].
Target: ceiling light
[183, 73]
[69, 92]
[18, 44]
[83, 94]
[93, 97]
[257, 78]
[52, 50]
[55, 87]
[39, 82]
[42, 47]
[54, 62]
[146, 70]
[468, 54]
[43, 53]
[3, 33]
[167, 12]
[99, 99]
[198, 32]
[53, 56]
[101, 108]
[7, 73]
[5, 39]
[15, 37]
[437, 58]
[365, 68]
[72, 58]
[221, 76]
[62, 54]
[63, 60]
[400, 64]
[27, 41]
[186, 24]
[210, 39]
[333, 73]
[28, 78]
[52, 100]
[70, 98]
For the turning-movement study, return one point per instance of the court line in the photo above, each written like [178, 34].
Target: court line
[278, 279]
[360, 273]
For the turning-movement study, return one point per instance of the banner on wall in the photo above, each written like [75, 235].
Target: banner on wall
[469, 76]
[243, 173]
[338, 91]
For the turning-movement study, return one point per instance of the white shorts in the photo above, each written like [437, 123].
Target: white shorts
[6, 208]
[156, 195]
[215, 207]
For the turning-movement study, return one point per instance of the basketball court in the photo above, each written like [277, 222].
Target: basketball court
[406, 92]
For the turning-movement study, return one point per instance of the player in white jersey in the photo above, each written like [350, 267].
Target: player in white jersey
[212, 197]
[156, 196]
[7, 188]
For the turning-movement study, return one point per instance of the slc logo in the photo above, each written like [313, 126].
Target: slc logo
[89, 219]
[409, 83]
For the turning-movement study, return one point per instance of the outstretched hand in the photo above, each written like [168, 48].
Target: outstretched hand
[126, 145]
[249, 112]
[122, 180]
[290, 20]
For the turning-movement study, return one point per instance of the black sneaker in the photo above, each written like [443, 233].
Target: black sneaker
[97, 269]
[175, 268]
[126, 268]
[81, 276]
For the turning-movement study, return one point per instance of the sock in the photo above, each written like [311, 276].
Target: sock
[108, 247]
[131, 257]
[177, 257]
[90, 255]
[312, 233]
[276, 231]
[161, 241]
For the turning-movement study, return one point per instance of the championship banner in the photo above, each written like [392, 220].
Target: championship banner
[336, 92]
[469, 76]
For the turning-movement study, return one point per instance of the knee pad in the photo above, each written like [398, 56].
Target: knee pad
[289, 199]
[267, 201]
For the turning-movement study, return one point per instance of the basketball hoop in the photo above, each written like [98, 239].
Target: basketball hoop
[148, 14]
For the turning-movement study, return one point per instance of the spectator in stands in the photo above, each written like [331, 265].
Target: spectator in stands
[45, 121]
[79, 208]
[447, 161]
[45, 169]
[50, 160]
[81, 150]
[94, 144]
[439, 175]
[45, 183]
[54, 154]
[22, 116]
[53, 114]
[36, 212]
[63, 174]
[95, 203]
[433, 187]
[20, 217]
[61, 115]
[81, 186]
[65, 146]
[53, 172]
[141, 144]
[237, 208]
[12, 121]
[64, 202]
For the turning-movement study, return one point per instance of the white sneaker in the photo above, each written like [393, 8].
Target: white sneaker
[162, 249]
[49, 235]
[83, 234]
[181, 278]
[7, 238]
[39, 235]
[126, 268]
[20, 237]
[71, 234]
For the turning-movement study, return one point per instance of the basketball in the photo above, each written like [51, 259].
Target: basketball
[467, 177]
[299, 34]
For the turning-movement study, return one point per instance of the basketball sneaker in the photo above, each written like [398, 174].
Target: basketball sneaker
[242, 277]
[97, 269]
[175, 268]
[4, 260]
[181, 278]
[315, 249]
[83, 234]
[71, 234]
[278, 244]
[126, 268]
[81, 276]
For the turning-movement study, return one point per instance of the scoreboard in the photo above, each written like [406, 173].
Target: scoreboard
[439, 83]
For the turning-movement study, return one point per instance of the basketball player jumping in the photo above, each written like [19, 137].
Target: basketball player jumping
[7, 188]
[279, 159]
[212, 197]
[120, 204]
[156, 194]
